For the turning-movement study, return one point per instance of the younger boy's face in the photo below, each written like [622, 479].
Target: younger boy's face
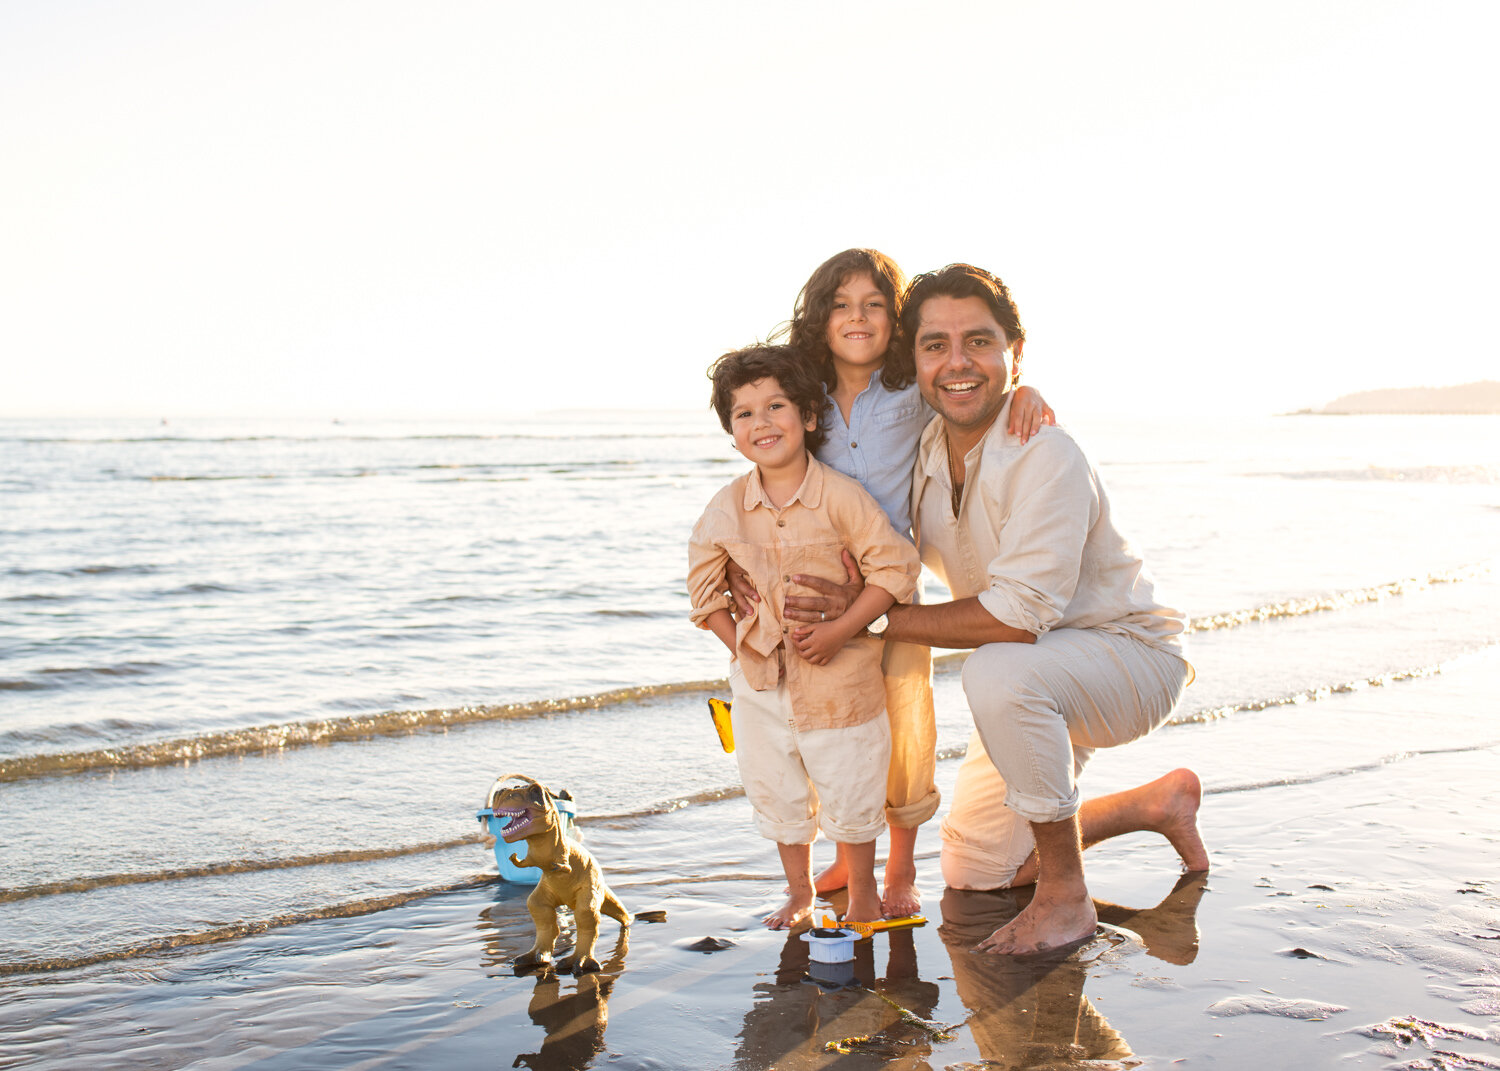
[767, 426]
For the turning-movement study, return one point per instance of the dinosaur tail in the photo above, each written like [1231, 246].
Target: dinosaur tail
[614, 909]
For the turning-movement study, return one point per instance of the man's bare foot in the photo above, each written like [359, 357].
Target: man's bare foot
[1044, 926]
[834, 878]
[1168, 806]
[1178, 799]
[900, 896]
[789, 914]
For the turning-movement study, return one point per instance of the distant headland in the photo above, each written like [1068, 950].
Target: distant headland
[1481, 397]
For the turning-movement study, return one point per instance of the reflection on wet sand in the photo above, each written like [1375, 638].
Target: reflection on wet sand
[1170, 929]
[574, 1022]
[574, 1018]
[1032, 1012]
[795, 1016]
[1022, 1013]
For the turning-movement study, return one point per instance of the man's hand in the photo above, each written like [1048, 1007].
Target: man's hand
[743, 598]
[831, 600]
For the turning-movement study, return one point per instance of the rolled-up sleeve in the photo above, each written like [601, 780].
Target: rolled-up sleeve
[1048, 501]
[707, 561]
[886, 559]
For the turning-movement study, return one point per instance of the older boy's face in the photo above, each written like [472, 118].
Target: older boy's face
[767, 426]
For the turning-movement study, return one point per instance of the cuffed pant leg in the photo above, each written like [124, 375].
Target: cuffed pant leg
[848, 769]
[771, 769]
[911, 793]
[1033, 704]
[984, 841]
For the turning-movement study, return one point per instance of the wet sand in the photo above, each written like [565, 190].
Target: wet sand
[1352, 918]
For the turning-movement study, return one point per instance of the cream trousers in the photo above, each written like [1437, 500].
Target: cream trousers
[1040, 711]
[911, 794]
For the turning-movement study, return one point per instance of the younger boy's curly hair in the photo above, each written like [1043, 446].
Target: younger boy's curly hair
[783, 363]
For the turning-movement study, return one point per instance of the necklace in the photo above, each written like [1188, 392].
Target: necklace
[958, 485]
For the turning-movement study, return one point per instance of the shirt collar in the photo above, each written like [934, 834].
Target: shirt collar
[933, 455]
[810, 493]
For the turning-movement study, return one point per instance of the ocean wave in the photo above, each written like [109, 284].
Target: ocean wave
[1480, 474]
[1322, 691]
[1338, 600]
[234, 866]
[613, 433]
[245, 928]
[276, 737]
[65, 676]
[1345, 771]
[267, 738]
[83, 570]
[498, 471]
[202, 588]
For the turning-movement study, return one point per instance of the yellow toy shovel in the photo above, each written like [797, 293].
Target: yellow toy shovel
[865, 929]
[718, 709]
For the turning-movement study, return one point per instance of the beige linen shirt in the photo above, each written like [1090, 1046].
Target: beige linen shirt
[828, 514]
[1033, 539]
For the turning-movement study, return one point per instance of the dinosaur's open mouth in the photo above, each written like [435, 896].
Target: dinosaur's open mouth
[517, 822]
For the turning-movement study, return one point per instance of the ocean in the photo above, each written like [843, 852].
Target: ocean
[260, 672]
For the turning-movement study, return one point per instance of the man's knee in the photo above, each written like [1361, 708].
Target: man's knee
[1000, 679]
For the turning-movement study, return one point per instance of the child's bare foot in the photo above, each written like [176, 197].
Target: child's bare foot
[862, 907]
[900, 896]
[834, 878]
[795, 910]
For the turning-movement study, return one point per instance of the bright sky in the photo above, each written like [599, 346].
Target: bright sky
[378, 207]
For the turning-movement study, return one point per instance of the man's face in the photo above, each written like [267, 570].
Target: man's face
[964, 361]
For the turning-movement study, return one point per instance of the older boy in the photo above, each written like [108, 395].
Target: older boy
[812, 739]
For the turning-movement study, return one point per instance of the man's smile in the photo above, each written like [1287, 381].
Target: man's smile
[959, 388]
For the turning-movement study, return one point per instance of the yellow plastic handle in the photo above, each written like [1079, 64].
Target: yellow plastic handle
[867, 929]
[718, 709]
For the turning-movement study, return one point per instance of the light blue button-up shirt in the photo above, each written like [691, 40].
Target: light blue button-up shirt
[878, 447]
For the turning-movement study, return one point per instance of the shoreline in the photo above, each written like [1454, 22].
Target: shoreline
[1351, 901]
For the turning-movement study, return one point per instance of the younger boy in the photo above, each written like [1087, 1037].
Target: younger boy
[811, 735]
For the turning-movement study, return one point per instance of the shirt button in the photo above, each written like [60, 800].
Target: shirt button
[783, 630]
[781, 523]
[786, 580]
[854, 446]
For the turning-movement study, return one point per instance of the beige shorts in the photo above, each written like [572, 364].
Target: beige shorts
[800, 781]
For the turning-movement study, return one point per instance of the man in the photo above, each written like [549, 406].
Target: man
[1071, 650]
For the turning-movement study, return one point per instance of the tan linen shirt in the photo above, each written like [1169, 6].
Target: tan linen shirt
[1033, 539]
[828, 514]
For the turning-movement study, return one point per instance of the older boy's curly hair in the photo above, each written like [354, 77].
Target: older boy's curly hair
[783, 363]
[808, 329]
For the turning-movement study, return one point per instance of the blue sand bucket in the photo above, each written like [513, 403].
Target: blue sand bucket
[567, 811]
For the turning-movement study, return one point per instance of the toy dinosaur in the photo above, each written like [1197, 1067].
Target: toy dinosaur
[570, 877]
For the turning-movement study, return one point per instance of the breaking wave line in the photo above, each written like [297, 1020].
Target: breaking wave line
[1339, 600]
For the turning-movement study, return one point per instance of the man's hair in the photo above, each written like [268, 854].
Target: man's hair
[960, 281]
[808, 329]
[783, 363]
